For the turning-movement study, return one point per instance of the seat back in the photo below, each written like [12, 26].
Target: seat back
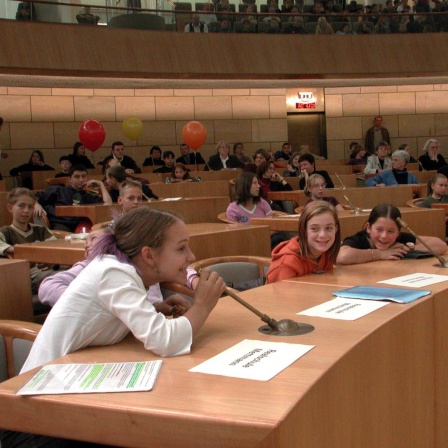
[16, 340]
[237, 268]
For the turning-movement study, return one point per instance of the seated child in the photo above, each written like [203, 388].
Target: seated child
[314, 250]
[180, 173]
[382, 239]
[249, 204]
[20, 203]
[52, 288]
[436, 191]
[315, 189]
[130, 197]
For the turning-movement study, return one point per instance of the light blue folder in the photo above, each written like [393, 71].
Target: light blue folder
[398, 295]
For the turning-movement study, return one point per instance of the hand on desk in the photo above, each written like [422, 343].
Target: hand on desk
[174, 305]
[395, 252]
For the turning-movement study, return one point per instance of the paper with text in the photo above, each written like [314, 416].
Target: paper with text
[343, 309]
[253, 360]
[90, 378]
[417, 280]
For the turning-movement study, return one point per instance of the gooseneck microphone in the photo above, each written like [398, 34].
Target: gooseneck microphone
[356, 210]
[443, 262]
[340, 181]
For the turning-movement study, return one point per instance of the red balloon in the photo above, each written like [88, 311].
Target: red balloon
[194, 134]
[91, 134]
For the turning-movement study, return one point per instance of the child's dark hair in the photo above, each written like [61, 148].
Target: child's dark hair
[39, 153]
[167, 154]
[307, 157]
[141, 227]
[243, 184]
[76, 146]
[74, 168]
[312, 209]
[384, 211]
[182, 167]
[263, 167]
[14, 194]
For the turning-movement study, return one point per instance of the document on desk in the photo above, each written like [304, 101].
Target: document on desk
[397, 295]
[253, 360]
[93, 378]
[343, 309]
[417, 280]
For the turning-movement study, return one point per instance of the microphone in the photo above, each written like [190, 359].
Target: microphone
[340, 181]
[443, 262]
[356, 210]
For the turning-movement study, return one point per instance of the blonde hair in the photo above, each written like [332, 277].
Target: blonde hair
[311, 182]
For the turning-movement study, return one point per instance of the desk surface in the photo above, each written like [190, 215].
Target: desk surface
[206, 240]
[367, 383]
[193, 210]
[370, 274]
[421, 221]
[361, 197]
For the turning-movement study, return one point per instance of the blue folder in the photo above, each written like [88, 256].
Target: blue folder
[398, 295]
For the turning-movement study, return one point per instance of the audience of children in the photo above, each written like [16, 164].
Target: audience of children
[436, 191]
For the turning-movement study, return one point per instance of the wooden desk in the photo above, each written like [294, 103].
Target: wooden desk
[369, 274]
[367, 383]
[366, 197]
[206, 240]
[192, 189]
[15, 290]
[421, 221]
[193, 210]
[38, 178]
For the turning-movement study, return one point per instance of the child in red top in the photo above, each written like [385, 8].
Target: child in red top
[314, 250]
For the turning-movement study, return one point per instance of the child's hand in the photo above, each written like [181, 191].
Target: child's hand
[38, 210]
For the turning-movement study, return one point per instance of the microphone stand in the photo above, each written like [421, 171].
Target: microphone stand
[443, 262]
[340, 181]
[356, 210]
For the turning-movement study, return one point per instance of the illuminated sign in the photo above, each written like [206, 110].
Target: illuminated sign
[305, 101]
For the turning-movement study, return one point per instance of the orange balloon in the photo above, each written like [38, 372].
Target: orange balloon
[194, 134]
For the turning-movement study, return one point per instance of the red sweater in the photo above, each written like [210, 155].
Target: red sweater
[287, 262]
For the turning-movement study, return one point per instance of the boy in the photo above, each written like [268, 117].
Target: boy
[130, 197]
[20, 204]
[168, 159]
[64, 163]
[72, 194]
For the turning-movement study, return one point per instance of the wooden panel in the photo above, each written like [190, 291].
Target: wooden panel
[2, 185]
[204, 175]
[348, 180]
[206, 240]
[192, 189]
[15, 290]
[261, 57]
[39, 177]
[366, 197]
[194, 210]
[364, 381]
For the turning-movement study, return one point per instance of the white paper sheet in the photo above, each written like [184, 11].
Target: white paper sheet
[253, 360]
[90, 378]
[417, 280]
[344, 309]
